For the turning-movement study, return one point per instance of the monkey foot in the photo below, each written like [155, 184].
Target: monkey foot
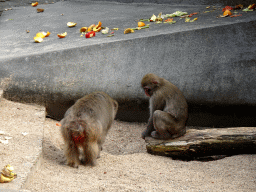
[72, 164]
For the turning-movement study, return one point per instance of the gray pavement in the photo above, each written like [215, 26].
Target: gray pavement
[212, 60]
[24, 125]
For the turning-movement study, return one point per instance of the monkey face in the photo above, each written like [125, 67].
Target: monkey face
[148, 91]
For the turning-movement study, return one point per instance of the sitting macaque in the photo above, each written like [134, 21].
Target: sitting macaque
[85, 126]
[168, 108]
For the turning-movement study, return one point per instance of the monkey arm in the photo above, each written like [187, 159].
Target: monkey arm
[149, 129]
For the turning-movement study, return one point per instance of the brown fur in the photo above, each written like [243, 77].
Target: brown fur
[168, 108]
[85, 125]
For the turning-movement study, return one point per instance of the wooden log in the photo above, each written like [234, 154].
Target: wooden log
[197, 143]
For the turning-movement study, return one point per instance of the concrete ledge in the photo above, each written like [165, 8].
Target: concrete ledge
[187, 2]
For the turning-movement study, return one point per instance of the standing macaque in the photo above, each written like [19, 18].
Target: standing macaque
[85, 126]
[168, 108]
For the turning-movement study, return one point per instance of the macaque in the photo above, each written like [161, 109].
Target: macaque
[168, 108]
[85, 126]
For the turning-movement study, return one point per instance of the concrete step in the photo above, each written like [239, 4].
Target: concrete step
[24, 124]
[212, 60]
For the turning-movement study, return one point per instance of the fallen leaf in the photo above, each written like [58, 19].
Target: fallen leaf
[236, 15]
[83, 29]
[40, 10]
[90, 34]
[58, 124]
[90, 28]
[208, 7]
[38, 39]
[8, 9]
[220, 16]
[240, 6]
[7, 138]
[111, 35]
[153, 18]
[47, 34]
[176, 14]
[141, 24]
[116, 29]
[41, 34]
[227, 12]
[194, 19]
[190, 15]
[247, 9]
[170, 21]
[62, 35]
[27, 31]
[4, 141]
[227, 8]
[187, 19]
[128, 30]
[105, 31]
[99, 24]
[98, 27]
[71, 24]
[252, 6]
[34, 4]
[24, 133]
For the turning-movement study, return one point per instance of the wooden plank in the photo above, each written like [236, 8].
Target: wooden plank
[206, 142]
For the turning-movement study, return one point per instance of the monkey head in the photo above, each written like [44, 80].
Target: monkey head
[150, 83]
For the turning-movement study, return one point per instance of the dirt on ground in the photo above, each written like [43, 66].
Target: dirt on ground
[125, 165]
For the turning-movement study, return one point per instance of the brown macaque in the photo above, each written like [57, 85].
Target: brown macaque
[85, 126]
[168, 108]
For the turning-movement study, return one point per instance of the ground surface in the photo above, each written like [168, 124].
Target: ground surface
[125, 166]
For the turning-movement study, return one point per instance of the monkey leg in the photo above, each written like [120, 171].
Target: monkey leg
[166, 126]
[72, 154]
[91, 153]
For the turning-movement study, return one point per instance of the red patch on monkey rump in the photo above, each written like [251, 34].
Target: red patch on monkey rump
[78, 139]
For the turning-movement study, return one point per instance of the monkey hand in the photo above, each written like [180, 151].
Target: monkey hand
[145, 133]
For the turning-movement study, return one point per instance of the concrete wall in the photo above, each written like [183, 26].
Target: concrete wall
[212, 65]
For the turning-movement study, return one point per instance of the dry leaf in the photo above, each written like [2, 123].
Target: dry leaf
[71, 24]
[128, 30]
[38, 39]
[62, 35]
[34, 4]
[24, 133]
[141, 24]
[40, 10]
[90, 34]
[83, 29]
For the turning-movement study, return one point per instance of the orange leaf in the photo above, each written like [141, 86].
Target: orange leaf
[227, 12]
[34, 4]
[141, 24]
[62, 35]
